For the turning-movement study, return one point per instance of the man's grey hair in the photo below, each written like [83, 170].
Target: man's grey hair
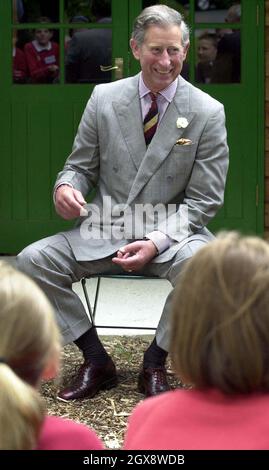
[159, 15]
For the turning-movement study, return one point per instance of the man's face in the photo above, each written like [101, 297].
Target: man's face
[161, 56]
[207, 51]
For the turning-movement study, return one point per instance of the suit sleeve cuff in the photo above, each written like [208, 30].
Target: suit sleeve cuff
[160, 240]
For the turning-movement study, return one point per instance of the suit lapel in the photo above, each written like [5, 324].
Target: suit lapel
[164, 139]
[128, 112]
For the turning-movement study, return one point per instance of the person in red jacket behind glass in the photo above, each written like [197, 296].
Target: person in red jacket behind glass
[42, 56]
[20, 70]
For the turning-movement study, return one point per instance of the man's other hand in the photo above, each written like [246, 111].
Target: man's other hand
[135, 255]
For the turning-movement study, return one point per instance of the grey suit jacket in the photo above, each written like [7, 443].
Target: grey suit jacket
[110, 154]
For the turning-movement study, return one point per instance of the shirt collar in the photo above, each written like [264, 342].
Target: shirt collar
[40, 48]
[168, 93]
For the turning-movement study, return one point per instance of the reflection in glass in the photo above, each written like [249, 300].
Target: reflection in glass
[217, 11]
[27, 11]
[78, 19]
[182, 6]
[185, 72]
[35, 56]
[94, 10]
[218, 56]
[207, 48]
[86, 51]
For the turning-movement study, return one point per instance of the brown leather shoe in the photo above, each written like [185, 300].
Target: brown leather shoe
[152, 381]
[90, 380]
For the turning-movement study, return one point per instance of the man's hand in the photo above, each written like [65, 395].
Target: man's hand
[136, 255]
[68, 202]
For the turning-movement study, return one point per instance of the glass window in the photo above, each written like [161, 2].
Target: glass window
[88, 55]
[185, 72]
[88, 51]
[94, 10]
[183, 6]
[35, 56]
[217, 11]
[218, 56]
[28, 11]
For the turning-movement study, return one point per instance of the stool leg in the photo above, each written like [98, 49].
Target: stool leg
[96, 296]
[83, 282]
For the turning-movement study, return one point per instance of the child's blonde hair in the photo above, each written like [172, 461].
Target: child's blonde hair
[220, 326]
[29, 341]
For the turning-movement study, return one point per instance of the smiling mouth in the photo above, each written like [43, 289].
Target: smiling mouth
[163, 73]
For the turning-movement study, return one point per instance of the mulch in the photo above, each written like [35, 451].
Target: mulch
[107, 413]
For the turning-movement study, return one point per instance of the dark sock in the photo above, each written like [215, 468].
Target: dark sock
[92, 348]
[154, 356]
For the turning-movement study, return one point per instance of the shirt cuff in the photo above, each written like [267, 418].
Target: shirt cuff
[160, 240]
[60, 184]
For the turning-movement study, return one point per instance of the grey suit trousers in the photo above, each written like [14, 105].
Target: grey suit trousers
[52, 264]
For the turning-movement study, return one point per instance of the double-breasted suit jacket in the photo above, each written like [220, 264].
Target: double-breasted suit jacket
[110, 154]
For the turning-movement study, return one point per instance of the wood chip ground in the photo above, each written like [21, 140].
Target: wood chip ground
[107, 413]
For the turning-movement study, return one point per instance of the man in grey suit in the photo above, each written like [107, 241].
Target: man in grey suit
[177, 179]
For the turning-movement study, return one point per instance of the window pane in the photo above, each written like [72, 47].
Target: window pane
[182, 6]
[94, 10]
[218, 56]
[28, 11]
[88, 53]
[185, 72]
[35, 56]
[217, 11]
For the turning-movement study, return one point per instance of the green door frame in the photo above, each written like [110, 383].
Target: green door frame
[38, 124]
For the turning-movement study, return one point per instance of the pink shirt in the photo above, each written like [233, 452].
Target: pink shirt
[64, 434]
[200, 420]
[164, 97]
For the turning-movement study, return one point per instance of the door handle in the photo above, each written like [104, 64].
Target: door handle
[118, 67]
[107, 68]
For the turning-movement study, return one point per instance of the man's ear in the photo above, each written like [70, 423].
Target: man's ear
[135, 48]
[186, 48]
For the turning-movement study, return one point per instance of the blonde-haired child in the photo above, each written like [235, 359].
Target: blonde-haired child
[29, 351]
[220, 346]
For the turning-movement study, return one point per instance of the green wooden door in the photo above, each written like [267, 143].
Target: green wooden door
[39, 121]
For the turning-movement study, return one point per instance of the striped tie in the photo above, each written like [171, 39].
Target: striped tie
[151, 119]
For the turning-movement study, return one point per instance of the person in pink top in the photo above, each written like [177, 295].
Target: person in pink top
[220, 348]
[29, 351]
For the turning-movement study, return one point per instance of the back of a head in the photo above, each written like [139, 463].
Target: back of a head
[101, 8]
[79, 19]
[233, 14]
[29, 340]
[220, 325]
[162, 16]
[43, 19]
